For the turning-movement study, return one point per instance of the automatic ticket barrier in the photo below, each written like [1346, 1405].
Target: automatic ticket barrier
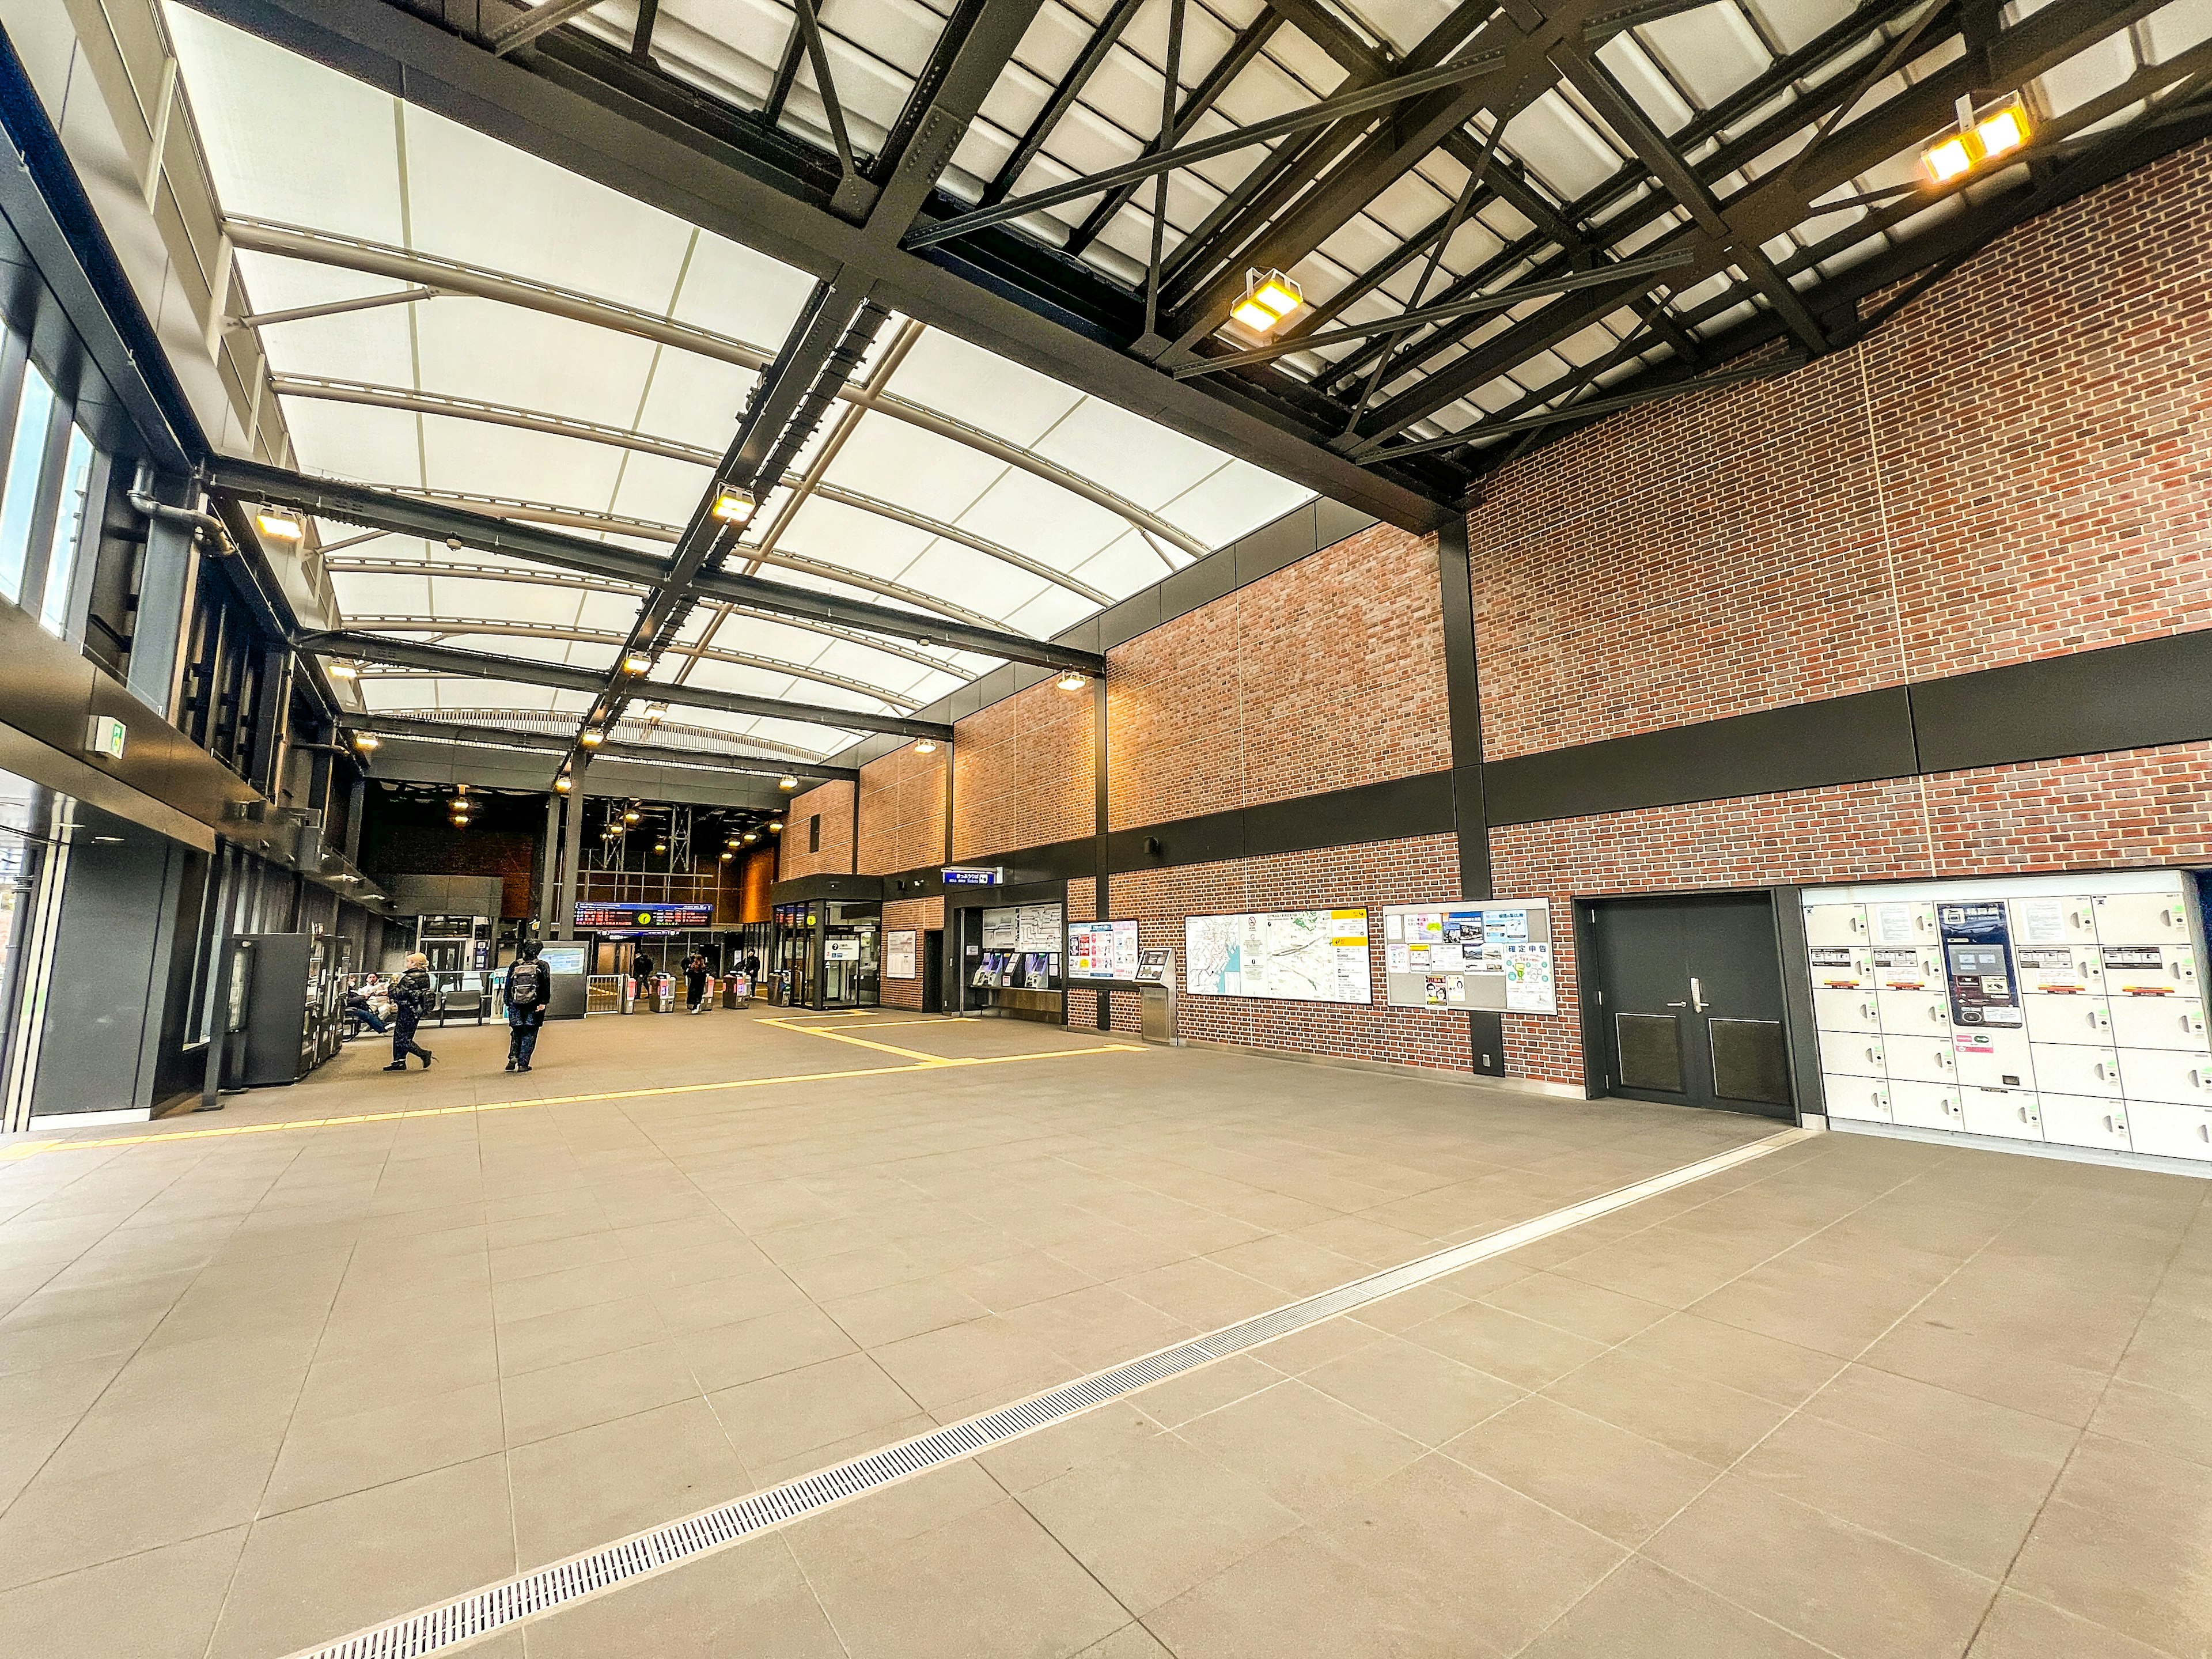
[1156, 986]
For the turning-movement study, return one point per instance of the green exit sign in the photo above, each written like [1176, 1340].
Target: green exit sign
[105, 736]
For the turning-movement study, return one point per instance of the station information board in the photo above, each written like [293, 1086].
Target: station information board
[599, 917]
[1288, 956]
[1469, 954]
[899, 954]
[1101, 950]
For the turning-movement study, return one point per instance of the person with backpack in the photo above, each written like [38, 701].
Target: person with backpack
[414, 994]
[529, 987]
[695, 981]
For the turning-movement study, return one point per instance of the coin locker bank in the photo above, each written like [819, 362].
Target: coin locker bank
[2065, 1014]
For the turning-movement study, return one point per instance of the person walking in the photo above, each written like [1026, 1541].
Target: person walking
[695, 981]
[528, 988]
[750, 966]
[641, 968]
[412, 995]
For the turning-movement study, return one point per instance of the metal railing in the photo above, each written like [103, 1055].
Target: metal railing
[604, 992]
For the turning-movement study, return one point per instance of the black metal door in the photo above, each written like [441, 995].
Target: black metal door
[932, 972]
[1689, 992]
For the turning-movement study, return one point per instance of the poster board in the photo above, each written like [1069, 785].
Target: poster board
[1037, 928]
[1284, 956]
[899, 954]
[1456, 956]
[1101, 950]
[563, 958]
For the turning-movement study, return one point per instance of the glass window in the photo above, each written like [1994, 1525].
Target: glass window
[19, 495]
[69, 532]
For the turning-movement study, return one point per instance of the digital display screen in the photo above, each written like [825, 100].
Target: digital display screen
[599, 916]
[563, 958]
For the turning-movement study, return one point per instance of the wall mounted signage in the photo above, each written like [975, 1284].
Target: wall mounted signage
[972, 875]
[105, 736]
[597, 916]
[1290, 955]
[1490, 954]
[899, 954]
[1153, 967]
[841, 949]
[563, 958]
[1101, 950]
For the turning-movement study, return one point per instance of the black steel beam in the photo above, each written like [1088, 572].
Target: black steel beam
[382, 509]
[501, 737]
[484, 666]
[586, 106]
[1086, 64]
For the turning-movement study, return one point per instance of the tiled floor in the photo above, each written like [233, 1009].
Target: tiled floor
[1859, 1397]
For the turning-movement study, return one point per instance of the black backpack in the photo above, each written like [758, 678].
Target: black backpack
[526, 984]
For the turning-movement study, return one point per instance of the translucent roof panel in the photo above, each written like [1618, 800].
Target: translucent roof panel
[552, 351]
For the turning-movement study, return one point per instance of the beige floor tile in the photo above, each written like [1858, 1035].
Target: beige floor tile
[159, 1605]
[1132, 1641]
[1097, 1327]
[1613, 1482]
[1466, 1556]
[336, 1455]
[2020, 1627]
[1011, 1281]
[898, 1311]
[1816, 1304]
[778, 1417]
[1859, 1595]
[859, 1530]
[728, 1355]
[1980, 1435]
[556, 1339]
[1309, 1451]
[342, 1384]
[1936, 1351]
[1416, 1390]
[64, 1521]
[1294, 1266]
[1208, 1389]
[989, 1584]
[1913, 1495]
[1706, 1420]
[1107, 1432]
[733, 1604]
[593, 1486]
[1154, 1520]
[1520, 1351]
[1763, 1366]
[538, 1405]
[2152, 1417]
[962, 1361]
[1567, 1304]
[313, 1574]
[1644, 1612]
[1202, 1294]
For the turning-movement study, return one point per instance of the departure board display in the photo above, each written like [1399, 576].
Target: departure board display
[603, 916]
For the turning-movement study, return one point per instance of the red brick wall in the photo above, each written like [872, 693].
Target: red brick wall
[918, 916]
[1977, 483]
[1022, 772]
[834, 801]
[1379, 873]
[901, 812]
[1326, 675]
[2138, 807]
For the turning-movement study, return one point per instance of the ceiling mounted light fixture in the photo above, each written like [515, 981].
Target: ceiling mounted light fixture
[655, 713]
[660, 846]
[1269, 297]
[638, 663]
[342, 671]
[564, 783]
[924, 746]
[1984, 135]
[726, 857]
[591, 739]
[364, 741]
[786, 781]
[776, 825]
[733, 506]
[630, 816]
[1072, 681]
[279, 526]
[751, 836]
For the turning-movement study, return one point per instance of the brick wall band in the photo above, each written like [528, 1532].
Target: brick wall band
[1022, 772]
[1975, 484]
[901, 812]
[2138, 808]
[918, 916]
[833, 802]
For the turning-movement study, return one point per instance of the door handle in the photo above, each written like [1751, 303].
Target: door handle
[1678, 1004]
[1696, 996]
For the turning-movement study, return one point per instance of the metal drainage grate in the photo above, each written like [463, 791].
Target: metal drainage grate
[483, 1611]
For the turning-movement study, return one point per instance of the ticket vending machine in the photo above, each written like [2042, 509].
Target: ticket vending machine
[1156, 986]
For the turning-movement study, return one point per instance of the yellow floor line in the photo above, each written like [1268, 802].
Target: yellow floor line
[859, 1043]
[23, 1149]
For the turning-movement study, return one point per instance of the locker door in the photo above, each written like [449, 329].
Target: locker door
[1896, 924]
[2158, 1022]
[1852, 1053]
[1923, 1059]
[2068, 1018]
[1835, 924]
[2142, 919]
[2074, 1069]
[1924, 1105]
[2069, 919]
[2009, 1113]
[2075, 1120]
[2168, 1131]
[2170, 1074]
[1993, 1059]
[1845, 1011]
[1865, 1098]
[1913, 1013]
